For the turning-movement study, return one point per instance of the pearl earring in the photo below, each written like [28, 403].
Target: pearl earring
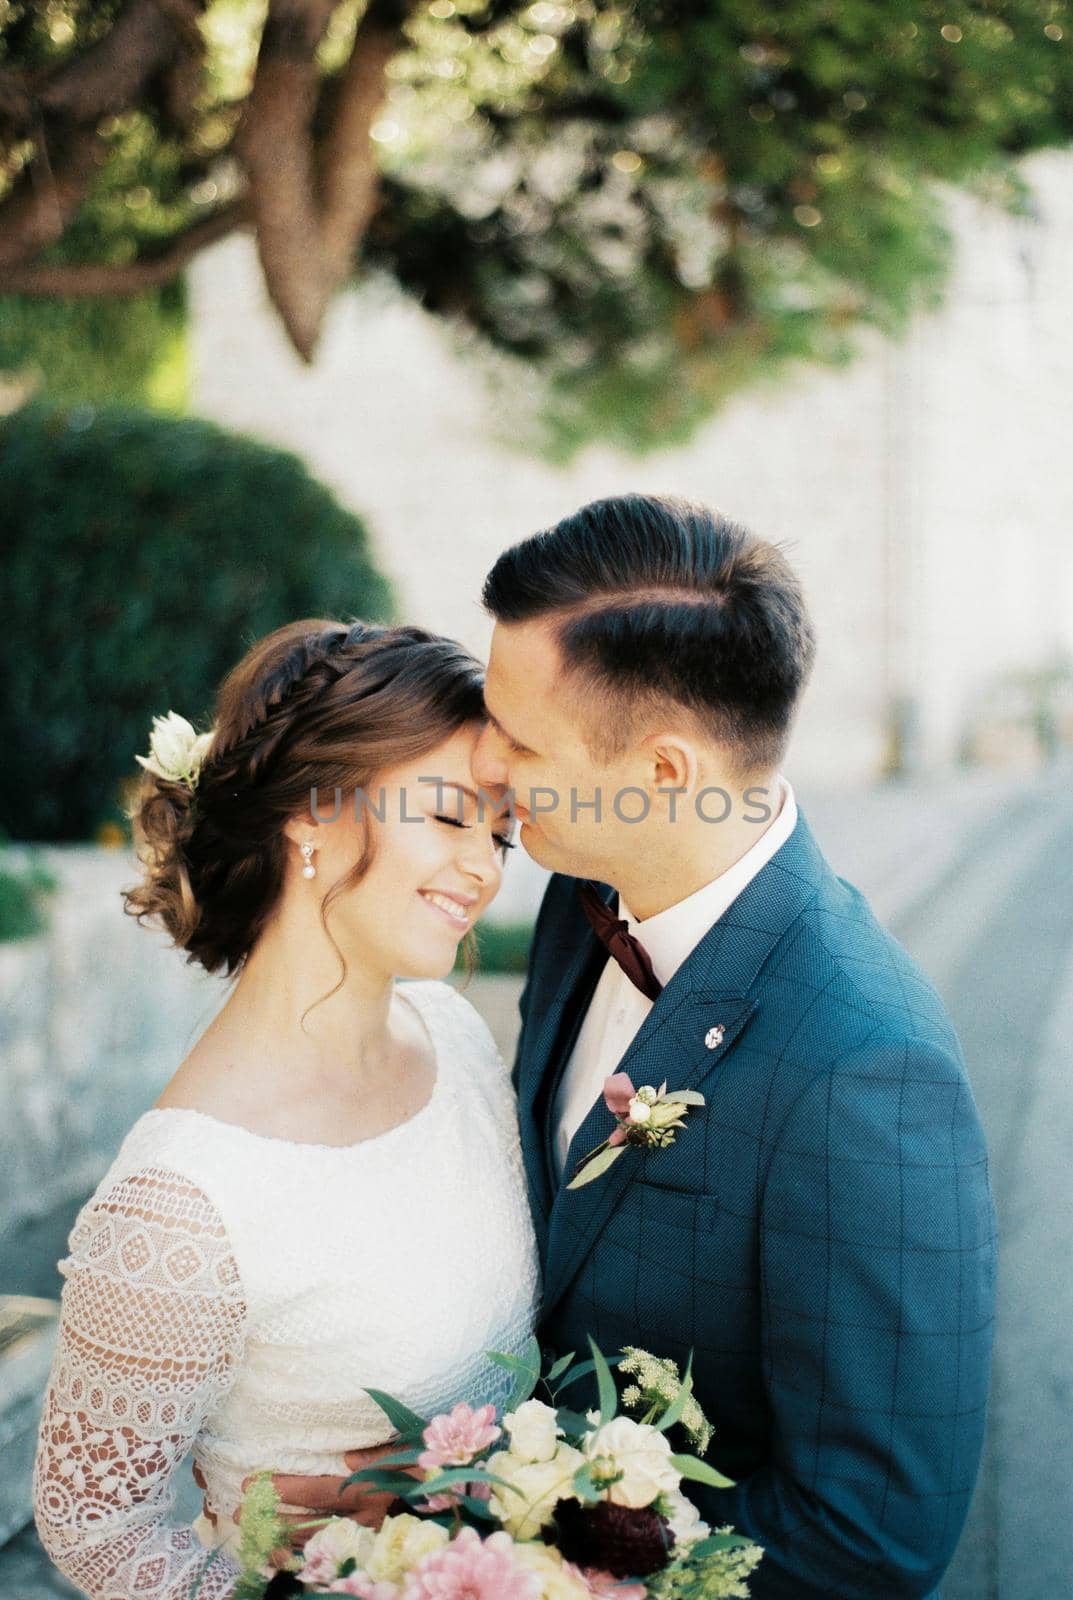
[309, 870]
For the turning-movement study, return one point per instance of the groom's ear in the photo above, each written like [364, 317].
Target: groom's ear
[671, 759]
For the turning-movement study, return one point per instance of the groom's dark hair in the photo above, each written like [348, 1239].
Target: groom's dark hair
[657, 600]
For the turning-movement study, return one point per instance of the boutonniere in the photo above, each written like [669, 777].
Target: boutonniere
[646, 1116]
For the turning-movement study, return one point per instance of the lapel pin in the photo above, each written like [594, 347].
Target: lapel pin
[714, 1037]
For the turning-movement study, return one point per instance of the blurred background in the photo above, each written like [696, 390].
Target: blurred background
[311, 308]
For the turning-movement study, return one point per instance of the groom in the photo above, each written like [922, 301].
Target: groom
[821, 1234]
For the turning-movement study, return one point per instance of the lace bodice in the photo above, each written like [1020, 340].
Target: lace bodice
[234, 1295]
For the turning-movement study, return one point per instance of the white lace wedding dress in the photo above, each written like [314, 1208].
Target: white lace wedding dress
[233, 1295]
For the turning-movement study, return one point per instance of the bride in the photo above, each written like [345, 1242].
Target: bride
[328, 1196]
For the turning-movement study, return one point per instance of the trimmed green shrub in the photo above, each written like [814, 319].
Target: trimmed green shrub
[503, 946]
[143, 555]
[24, 885]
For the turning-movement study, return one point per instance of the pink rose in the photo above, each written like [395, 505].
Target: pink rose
[454, 1438]
[470, 1568]
[364, 1587]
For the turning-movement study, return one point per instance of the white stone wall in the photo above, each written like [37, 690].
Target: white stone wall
[95, 1015]
[922, 492]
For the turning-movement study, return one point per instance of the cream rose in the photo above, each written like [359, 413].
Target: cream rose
[685, 1520]
[557, 1583]
[534, 1431]
[535, 1487]
[400, 1544]
[640, 1453]
[340, 1540]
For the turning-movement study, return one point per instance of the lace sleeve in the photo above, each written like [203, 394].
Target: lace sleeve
[151, 1329]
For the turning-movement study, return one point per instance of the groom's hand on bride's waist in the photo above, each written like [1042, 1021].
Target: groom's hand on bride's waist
[307, 1498]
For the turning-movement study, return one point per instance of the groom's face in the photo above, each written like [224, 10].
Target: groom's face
[534, 744]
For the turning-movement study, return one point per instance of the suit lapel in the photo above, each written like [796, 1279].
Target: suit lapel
[575, 1009]
[711, 990]
[670, 1044]
[545, 1062]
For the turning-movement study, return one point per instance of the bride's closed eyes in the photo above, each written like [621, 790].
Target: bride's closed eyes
[501, 839]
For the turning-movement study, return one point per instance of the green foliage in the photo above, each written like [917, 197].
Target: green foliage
[262, 1528]
[658, 1388]
[24, 885]
[605, 1382]
[691, 195]
[503, 946]
[97, 351]
[526, 1371]
[129, 350]
[717, 1568]
[144, 554]
[652, 204]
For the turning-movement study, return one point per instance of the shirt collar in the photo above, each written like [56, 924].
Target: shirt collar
[674, 933]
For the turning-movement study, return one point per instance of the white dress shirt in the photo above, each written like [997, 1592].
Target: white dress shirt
[618, 1007]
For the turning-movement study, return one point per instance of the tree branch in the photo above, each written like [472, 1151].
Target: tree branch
[274, 144]
[105, 281]
[61, 115]
[349, 179]
[47, 194]
[109, 76]
[310, 207]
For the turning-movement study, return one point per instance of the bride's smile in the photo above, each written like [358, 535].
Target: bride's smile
[435, 851]
[256, 1258]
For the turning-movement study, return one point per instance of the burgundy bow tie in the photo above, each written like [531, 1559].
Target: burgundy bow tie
[612, 933]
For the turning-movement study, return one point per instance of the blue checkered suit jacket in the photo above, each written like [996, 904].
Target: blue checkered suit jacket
[821, 1235]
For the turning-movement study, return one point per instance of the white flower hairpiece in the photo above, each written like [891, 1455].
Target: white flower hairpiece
[176, 752]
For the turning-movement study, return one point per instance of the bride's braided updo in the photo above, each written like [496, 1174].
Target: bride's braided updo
[315, 705]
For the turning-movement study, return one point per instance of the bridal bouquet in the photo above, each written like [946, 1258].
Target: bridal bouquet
[541, 1503]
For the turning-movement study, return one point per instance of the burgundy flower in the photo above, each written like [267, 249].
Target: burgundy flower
[626, 1541]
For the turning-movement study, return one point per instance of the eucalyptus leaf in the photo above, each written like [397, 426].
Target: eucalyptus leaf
[399, 1483]
[575, 1424]
[596, 1165]
[526, 1369]
[532, 1352]
[586, 1488]
[583, 1369]
[605, 1383]
[398, 1458]
[716, 1543]
[477, 1509]
[450, 1476]
[559, 1368]
[406, 1423]
[701, 1472]
[510, 1363]
[522, 1391]
[530, 1360]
